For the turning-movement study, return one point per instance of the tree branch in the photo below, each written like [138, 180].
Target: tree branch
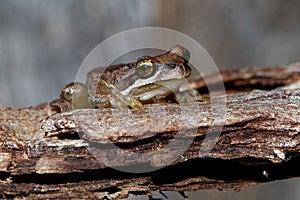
[253, 135]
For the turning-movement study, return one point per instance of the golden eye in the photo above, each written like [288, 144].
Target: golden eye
[145, 68]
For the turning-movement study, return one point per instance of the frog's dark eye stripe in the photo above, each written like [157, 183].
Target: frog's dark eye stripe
[145, 68]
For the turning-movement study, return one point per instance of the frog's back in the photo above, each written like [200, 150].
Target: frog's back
[110, 74]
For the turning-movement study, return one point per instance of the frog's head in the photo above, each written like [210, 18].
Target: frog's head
[171, 65]
[150, 70]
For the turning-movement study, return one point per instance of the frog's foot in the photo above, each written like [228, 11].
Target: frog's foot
[135, 104]
[60, 105]
[112, 96]
[188, 96]
[124, 102]
[120, 103]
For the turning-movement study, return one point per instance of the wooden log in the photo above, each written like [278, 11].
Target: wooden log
[89, 153]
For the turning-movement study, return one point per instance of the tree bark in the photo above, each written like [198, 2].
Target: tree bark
[93, 153]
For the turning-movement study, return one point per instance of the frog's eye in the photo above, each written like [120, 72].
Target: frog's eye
[145, 68]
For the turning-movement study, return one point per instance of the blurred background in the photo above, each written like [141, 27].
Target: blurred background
[42, 44]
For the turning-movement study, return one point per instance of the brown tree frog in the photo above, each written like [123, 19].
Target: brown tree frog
[148, 80]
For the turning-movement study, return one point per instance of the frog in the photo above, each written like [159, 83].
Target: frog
[150, 79]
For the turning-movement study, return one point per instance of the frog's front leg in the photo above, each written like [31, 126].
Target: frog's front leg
[108, 95]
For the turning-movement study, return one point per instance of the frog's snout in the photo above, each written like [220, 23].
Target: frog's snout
[181, 51]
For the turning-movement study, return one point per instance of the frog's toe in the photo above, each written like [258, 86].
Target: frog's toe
[119, 103]
[135, 104]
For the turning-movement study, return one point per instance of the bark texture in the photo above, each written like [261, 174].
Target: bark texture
[92, 153]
